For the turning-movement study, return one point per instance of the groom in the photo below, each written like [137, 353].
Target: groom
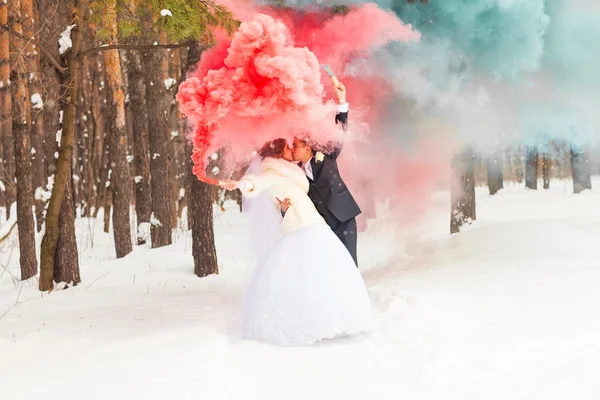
[327, 190]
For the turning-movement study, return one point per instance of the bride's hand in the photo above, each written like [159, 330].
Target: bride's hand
[285, 204]
[229, 184]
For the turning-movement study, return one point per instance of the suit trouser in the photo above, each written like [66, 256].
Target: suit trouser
[346, 232]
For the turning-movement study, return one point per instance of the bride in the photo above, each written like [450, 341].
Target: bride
[306, 286]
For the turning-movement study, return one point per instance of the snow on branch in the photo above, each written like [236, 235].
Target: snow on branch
[65, 42]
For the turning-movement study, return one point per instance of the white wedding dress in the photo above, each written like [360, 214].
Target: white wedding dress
[305, 286]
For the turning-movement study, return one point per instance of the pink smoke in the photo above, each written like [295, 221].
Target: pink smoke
[262, 85]
[336, 38]
[266, 82]
[404, 176]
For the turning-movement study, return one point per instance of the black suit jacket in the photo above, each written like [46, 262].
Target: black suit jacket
[328, 191]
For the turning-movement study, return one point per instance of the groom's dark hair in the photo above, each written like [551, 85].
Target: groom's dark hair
[307, 142]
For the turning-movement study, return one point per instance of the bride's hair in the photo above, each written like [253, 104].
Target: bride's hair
[273, 148]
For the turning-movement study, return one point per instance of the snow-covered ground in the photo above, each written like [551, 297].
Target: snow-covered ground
[508, 309]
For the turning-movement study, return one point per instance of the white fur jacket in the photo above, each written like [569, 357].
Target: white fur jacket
[284, 179]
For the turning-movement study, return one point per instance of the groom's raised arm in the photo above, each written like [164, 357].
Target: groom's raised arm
[341, 115]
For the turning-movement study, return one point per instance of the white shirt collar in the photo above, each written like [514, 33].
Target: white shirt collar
[308, 168]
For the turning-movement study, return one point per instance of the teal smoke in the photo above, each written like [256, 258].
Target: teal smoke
[497, 70]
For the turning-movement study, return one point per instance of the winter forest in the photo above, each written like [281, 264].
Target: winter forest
[472, 148]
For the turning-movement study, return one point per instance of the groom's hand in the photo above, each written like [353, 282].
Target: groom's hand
[340, 92]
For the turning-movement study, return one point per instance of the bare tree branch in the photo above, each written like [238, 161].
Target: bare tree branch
[98, 49]
[46, 52]
[95, 50]
[14, 224]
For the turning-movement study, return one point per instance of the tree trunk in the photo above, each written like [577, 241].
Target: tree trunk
[176, 144]
[495, 176]
[67, 257]
[98, 150]
[200, 213]
[580, 167]
[141, 160]
[120, 185]
[119, 178]
[108, 199]
[87, 140]
[53, 16]
[546, 161]
[158, 118]
[104, 182]
[63, 164]
[104, 115]
[30, 15]
[6, 109]
[200, 207]
[78, 148]
[531, 168]
[462, 191]
[21, 127]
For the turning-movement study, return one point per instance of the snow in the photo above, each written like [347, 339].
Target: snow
[42, 195]
[50, 183]
[143, 232]
[169, 83]
[36, 101]
[64, 42]
[507, 309]
[8, 224]
[155, 221]
[166, 13]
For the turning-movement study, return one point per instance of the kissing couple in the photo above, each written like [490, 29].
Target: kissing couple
[305, 286]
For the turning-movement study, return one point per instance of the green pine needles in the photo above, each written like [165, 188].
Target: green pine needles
[179, 19]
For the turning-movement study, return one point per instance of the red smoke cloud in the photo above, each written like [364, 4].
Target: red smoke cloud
[266, 82]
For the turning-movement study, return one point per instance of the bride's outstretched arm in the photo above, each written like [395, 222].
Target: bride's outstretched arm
[253, 185]
[245, 185]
